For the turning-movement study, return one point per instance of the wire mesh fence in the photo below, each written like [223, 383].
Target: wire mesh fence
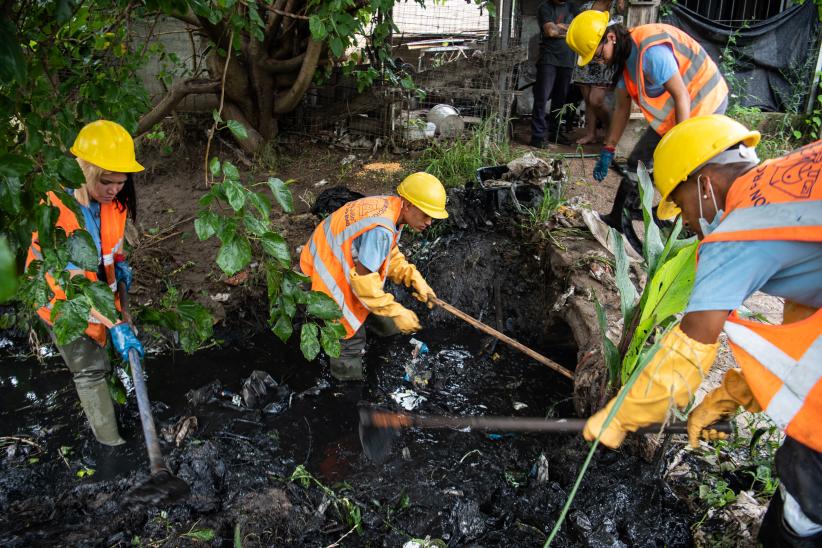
[462, 61]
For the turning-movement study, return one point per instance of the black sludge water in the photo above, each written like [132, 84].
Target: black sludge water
[290, 470]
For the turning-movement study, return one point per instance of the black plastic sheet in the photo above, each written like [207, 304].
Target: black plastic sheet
[774, 60]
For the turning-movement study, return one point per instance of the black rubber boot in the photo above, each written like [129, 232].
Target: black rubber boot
[624, 194]
[774, 533]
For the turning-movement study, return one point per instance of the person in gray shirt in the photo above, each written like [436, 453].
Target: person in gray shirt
[554, 67]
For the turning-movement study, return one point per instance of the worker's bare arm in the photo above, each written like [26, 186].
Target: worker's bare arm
[704, 326]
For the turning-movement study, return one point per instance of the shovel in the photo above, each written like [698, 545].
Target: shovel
[503, 337]
[378, 428]
[162, 487]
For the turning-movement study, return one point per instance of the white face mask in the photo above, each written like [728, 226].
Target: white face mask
[708, 227]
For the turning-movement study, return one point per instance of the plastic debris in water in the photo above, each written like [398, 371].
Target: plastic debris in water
[414, 372]
[519, 405]
[408, 399]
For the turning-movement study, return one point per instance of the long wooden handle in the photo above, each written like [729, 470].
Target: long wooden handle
[501, 336]
[388, 420]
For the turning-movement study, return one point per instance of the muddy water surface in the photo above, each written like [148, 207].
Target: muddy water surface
[461, 487]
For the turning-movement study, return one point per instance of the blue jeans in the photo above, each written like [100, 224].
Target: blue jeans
[552, 83]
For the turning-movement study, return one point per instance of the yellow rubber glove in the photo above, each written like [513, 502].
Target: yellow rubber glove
[369, 290]
[719, 404]
[400, 271]
[669, 379]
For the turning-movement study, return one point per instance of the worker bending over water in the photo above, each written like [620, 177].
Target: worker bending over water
[354, 250]
[760, 227]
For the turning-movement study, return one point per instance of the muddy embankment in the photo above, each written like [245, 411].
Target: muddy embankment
[290, 470]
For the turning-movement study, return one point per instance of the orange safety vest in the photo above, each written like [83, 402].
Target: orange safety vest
[328, 256]
[112, 228]
[780, 200]
[702, 78]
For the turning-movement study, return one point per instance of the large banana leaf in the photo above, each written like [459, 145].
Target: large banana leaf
[666, 294]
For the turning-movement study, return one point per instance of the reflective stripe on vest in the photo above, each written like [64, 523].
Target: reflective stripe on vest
[769, 216]
[112, 228]
[660, 111]
[328, 258]
[797, 376]
[780, 199]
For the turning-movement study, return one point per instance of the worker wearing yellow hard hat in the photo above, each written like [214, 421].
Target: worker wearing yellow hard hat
[105, 153]
[663, 70]
[353, 251]
[760, 226]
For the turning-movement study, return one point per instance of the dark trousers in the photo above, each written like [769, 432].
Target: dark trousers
[799, 468]
[552, 83]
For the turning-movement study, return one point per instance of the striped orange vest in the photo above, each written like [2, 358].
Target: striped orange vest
[328, 256]
[112, 228]
[705, 84]
[780, 200]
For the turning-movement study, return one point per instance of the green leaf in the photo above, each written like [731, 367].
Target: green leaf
[230, 171]
[82, 250]
[206, 225]
[12, 165]
[261, 202]
[202, 535]
[337, 47]
[235, 192]
[276, 246]
[46, 218]
[317, 28]
[281, 193]
[609, 349]
[8, 271]
[116, 389]
[309, 344]
[214, 166]
[237, 129]
[12, 62]
[70, 172]
[628, 296]
[256, 226]
[10, 191]
[288, 305]
[214, 113]
[330, 341]
[70, 319]
[652, 246]
[669, 289]
[102, 298]
[234, 255]
[283, 328]
[273, 280]
[337, 327]
[322, 306]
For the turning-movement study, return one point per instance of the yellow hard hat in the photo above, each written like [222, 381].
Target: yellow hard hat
[688, 146]
[426, 192]
[107, 145]
[585, 33]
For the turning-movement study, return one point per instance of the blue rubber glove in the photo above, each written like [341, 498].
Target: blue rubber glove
[606, 156]
[123, 339]
[123, 274]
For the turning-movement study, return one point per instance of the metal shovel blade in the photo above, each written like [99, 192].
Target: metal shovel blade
[160, 488]
[376, 442]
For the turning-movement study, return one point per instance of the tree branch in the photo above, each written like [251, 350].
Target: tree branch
[292, 97]
[175, 95]
[282, 12]
[274, 66]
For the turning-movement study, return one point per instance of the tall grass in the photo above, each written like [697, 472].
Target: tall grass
[456, 162]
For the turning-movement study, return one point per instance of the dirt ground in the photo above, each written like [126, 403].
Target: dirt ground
[292, 472]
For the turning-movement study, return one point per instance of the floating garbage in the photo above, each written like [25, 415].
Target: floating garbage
[408, 399]
[414, 369]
